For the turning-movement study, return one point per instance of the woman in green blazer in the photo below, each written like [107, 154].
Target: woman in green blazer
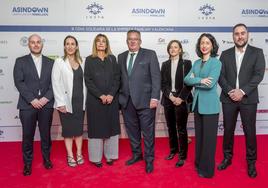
[204, 77]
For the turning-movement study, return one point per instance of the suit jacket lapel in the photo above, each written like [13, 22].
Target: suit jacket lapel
[125, 61]
[233, 60]
[32, 66]
[137, 60]
[246, 55]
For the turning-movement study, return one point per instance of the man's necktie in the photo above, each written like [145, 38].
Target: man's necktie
[130, 63]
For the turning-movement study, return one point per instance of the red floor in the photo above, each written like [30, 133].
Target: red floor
[119, 175]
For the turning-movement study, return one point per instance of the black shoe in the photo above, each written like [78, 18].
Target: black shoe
[48, 164]
[224, 164]
[149, 167]
[180, 163]
[170, 156]
[110, 162]
[252, 171]
[203, 176]
[133, 160]
[27, 170]
[97, 164]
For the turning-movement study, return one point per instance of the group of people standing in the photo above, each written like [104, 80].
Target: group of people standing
[100, 85]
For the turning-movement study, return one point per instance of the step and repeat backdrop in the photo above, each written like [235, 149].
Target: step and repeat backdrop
[159, 22]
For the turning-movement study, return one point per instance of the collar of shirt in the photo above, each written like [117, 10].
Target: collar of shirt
[239, 52]
[36, 59]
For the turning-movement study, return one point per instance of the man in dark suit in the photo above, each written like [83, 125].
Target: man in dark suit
[139, 94]
[243, 69]
[32, 77]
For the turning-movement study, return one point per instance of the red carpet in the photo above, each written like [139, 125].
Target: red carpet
[119, 175]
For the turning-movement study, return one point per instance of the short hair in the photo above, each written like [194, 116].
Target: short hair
[239, 25]
[77, 52]
[212, 39]
[94, 48]
[134, 31]
[179, 43]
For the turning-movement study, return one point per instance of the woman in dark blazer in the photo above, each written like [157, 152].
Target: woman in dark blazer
[175, 96]
[204, 77]
[102, 76]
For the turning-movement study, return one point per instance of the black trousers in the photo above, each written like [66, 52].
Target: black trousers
[206, 127]
[29, 119]
[248, 117]
[140, 122]
[176, 118]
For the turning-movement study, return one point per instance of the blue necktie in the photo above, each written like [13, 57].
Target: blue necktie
[130, 63]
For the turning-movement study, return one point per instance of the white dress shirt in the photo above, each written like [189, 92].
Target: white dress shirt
[239, 58]
[38, 63]
[174, 65]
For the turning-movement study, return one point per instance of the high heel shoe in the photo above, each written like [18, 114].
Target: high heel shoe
[71, 161]
[80, 159]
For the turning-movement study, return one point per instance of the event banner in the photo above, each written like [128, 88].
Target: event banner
[158, 21]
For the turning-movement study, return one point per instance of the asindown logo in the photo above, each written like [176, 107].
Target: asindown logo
[207, 12]
[30, 11]
[152, 12]
[257, 12]
[95, 10]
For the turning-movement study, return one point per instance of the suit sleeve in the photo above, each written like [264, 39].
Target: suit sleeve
[89, 79]
[19, 82]
[257, 75]
[191, 79]
[116, 77]
[57, 84]
[164, 80]
[49, 94]
[186, 90]
[226, 87]
[155, 76]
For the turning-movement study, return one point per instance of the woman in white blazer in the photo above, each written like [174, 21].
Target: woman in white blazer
[70, 95]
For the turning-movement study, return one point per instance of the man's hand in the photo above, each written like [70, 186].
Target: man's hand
[153, 103]
[43, 101]
[36, 104]
[236, 95]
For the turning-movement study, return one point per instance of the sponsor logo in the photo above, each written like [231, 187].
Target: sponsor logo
[256, 12]
[184, 41]
[29, 11]
[1, 132]
[3, 42]
[95, 11]
[161, 41]
[3, 57]
[16, 117]
[5, 102]
[24, 41]
[185, 55]
[1, 72]
[53, 56]
[151, 12]
[266, 41]
[207, 12]
[227, 42]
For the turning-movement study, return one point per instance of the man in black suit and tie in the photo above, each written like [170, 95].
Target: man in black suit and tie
[139, 95]
[243, 69]
[32, 77]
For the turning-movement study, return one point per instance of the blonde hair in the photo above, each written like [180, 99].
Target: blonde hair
[77, 56]
[94, 48]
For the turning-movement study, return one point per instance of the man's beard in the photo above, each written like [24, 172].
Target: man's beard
[241, 45]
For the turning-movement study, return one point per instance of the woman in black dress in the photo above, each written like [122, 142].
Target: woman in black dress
[70, 93]
[175, 97]
[102, 78]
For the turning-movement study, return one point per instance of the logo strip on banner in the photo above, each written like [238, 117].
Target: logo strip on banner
[12, 28]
